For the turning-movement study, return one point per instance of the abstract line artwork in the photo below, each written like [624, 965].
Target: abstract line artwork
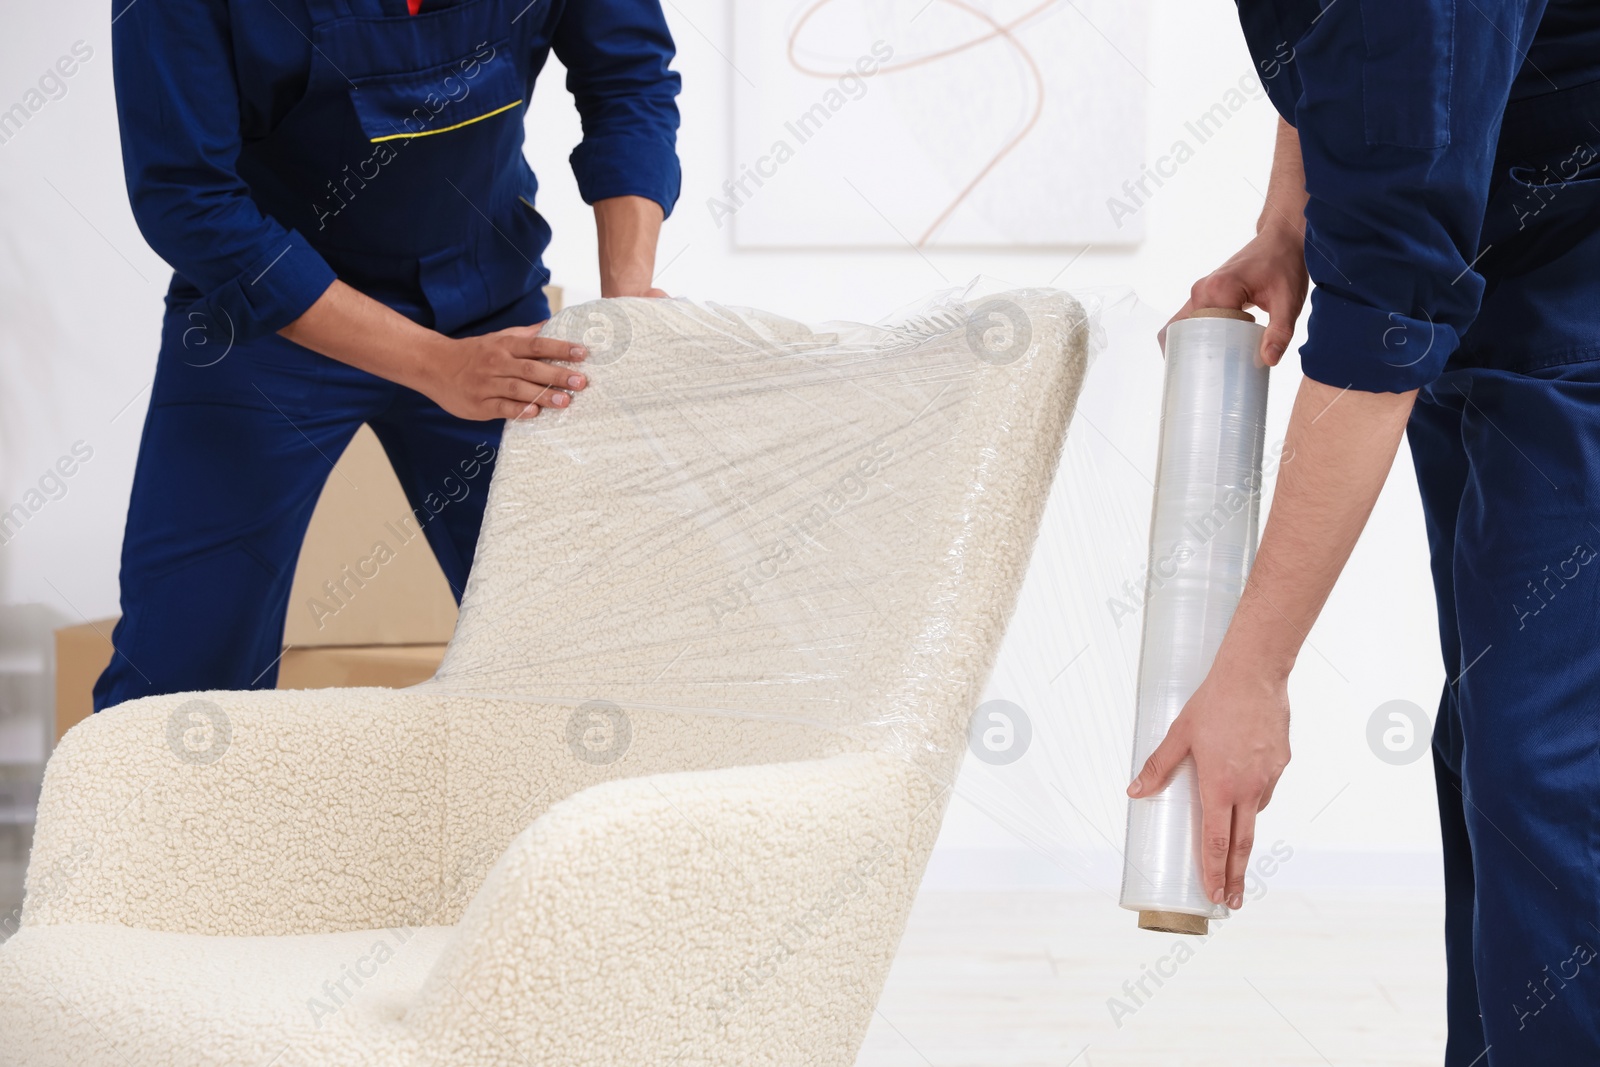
[933, 123]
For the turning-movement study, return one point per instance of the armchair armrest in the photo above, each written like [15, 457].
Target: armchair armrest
[741, 916]
[267, 812]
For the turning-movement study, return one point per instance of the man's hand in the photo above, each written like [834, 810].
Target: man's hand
[508, 374]
[1237, 728]
[1270, 271]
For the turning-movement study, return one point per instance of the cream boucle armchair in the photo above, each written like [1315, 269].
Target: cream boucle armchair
[672, 791]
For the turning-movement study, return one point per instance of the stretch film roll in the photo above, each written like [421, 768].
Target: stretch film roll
[1202, 542]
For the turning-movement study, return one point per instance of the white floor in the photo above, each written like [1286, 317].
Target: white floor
[1023, 978]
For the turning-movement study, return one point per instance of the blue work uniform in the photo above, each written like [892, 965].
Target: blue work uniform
[270, 148]
[1452, 162]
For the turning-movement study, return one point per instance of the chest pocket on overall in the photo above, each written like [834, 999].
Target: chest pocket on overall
[478, 87]
[1407, 71]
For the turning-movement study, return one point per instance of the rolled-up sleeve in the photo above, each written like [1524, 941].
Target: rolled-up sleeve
[179, 112]
[617, 54]
[1398, 108]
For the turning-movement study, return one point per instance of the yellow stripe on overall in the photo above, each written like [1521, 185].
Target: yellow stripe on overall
[447, 129]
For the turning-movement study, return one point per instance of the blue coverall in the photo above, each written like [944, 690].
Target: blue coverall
[1452, 160]
[271, 147]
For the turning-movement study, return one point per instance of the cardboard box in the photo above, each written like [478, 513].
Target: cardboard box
[83, 651]
[366, 575]
[390, 666]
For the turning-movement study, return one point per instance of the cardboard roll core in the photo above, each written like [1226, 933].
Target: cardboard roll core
[1173, 922]
[1222, 313]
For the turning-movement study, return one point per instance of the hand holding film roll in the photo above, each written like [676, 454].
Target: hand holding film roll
[1202, 541]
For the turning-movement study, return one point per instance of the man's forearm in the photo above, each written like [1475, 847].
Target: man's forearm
[1337, 453]
[351, 327]
[627, 228]
[1286, 187]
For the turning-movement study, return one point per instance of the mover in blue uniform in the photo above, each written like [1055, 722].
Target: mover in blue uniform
[1438, 173]
[340, 189]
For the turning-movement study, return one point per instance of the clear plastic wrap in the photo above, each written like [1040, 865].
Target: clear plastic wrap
[1202, 543]
[745, 516]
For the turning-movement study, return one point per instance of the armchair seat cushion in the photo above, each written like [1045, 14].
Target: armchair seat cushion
[193, 1000]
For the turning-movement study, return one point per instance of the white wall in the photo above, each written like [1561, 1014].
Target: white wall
[82, 303]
